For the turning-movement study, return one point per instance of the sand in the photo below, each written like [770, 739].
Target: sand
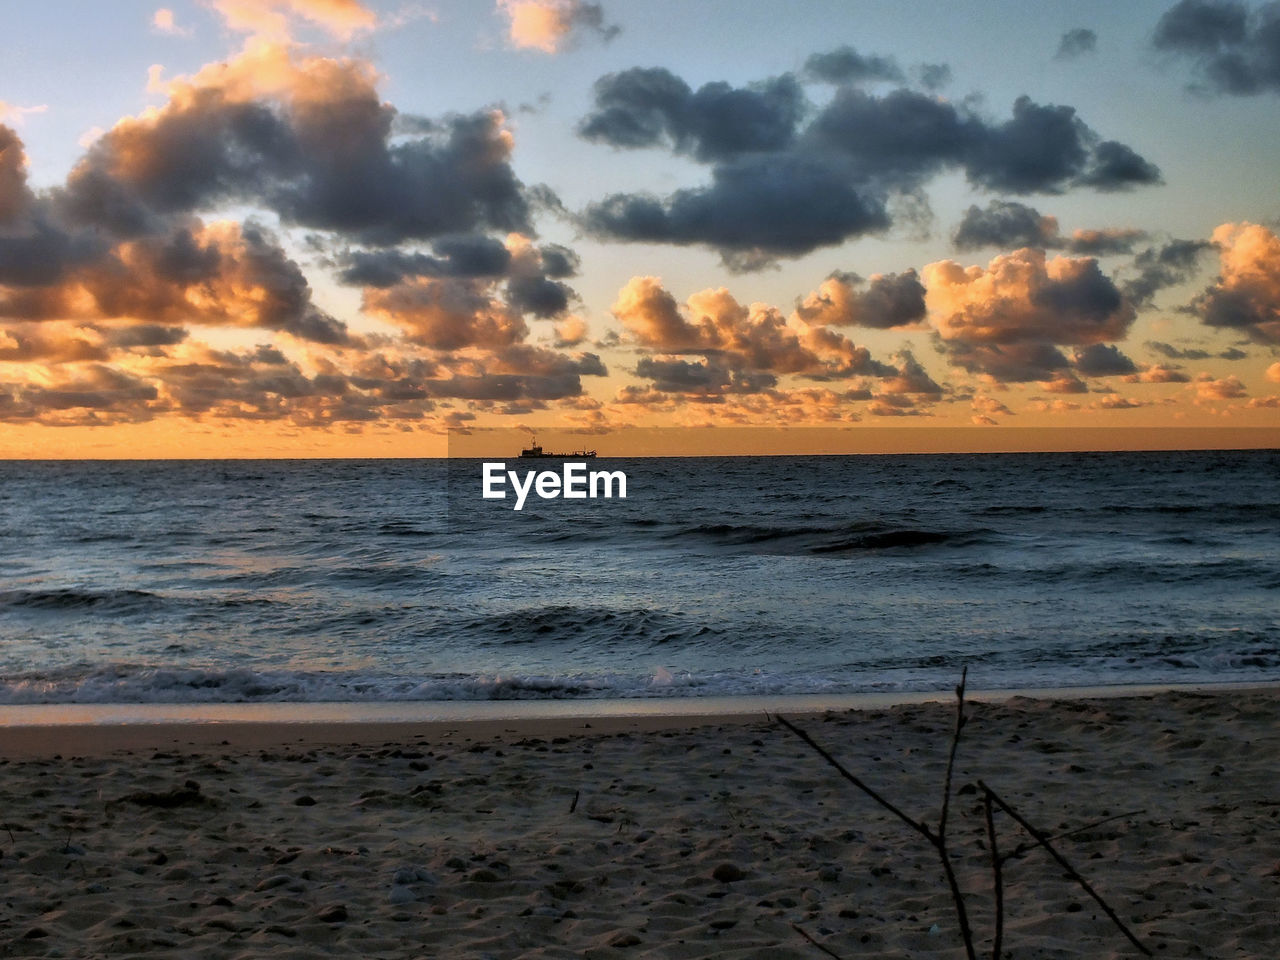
[624, 839]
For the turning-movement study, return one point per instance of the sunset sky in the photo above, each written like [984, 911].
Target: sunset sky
[327, 227]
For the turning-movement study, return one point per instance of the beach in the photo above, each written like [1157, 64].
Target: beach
[624, 837]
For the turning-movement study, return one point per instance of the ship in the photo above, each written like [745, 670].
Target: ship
[535, 452]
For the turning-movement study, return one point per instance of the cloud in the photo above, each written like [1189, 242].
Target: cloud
[1193, 353]
[1076, 43]
[163, 21]
[1246, 296]
[756, 208]
[1158, 373]
[1162, 267]
[217, 274]
[755, 343]
[845, 65]
[1226, 388]
[1008, 319]
[1102, 360]
[9, 113]
[1007, 223]
[547, 25]
[15, 195]
[1235, 48]
[646, 107]
[308, 138]
[1046, 149]
[787, 179]
[890, 300]
[342, 19]
[447, 313]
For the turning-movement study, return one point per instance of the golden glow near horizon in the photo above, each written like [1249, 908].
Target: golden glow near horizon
[288, 248]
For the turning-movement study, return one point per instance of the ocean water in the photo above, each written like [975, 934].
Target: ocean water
[395, 580]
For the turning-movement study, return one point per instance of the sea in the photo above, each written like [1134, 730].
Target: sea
[397, 581]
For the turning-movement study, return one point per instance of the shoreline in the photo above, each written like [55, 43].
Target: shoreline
[45, 730]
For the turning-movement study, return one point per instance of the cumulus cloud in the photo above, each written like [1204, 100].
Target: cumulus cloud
[103, 280]
[1008, 319]
[787, 178]
[1234, 48]
[1246, 296]
[1224, 388]
[547, 25]
[309, 138]
[1076, 43]
[890, 300]
[752, 344]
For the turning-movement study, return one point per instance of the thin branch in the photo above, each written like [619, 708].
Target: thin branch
[951, 758]
[1025, 847]
[938, 839]
[997, 875]
[1044, 841]
[825, 949]
[857, 782]
[940, 842]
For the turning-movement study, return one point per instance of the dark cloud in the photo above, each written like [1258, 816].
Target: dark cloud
[1004, 223]
[933, 76]
[1102, 360]
[1193, 353]
[465, 256]
[1076, 43]
[1009, 362]
[15, 197]
[1161, 267]
[1115, 166]
[782, 186]
[846, 65]
[645, 107]
[1100, 243]
[769, 205]
[1235, 48]
[1007, 223]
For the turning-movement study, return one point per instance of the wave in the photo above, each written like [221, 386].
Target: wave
[70, 598]
[764, 538]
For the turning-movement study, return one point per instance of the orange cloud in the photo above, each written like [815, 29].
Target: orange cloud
[271, 18]
[1022, 296]
[1246, 296]
[546, 25]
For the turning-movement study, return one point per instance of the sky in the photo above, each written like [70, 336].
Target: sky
[345, 228]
